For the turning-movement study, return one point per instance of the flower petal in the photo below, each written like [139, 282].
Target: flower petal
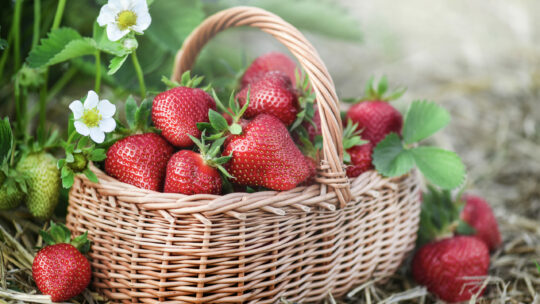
[97, 135]
[106, 108]
[139, 7]
[107, 15]
[143, 22]
[107, 125]
[114, 33]
[120, 5]
[77, 108]
[81, 128]
[91, 101]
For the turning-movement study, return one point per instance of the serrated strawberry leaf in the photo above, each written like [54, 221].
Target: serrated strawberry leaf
[51, 46]
[442, 168]
[422, 120]
[68, 180]
[391, 158]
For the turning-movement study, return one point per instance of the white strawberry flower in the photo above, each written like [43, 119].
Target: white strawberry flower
[94, 117]
[123, 16]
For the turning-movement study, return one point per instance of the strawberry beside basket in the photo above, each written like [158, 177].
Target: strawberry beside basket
[301, 244]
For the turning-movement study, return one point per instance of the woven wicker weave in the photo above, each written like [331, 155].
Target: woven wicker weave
[301, 244]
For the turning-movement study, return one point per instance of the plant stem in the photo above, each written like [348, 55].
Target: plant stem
[58, 14]
[18, 118]
[16, 28]
[98, 72]
[37, 22]
[139, 74]
[60, 83]
[43, 102]
[71, 137]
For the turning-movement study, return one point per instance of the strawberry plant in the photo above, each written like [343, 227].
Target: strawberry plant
[395, 155]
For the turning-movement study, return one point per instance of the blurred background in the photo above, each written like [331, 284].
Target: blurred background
[478, 59]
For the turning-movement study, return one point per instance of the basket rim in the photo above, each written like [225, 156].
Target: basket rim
[302, 198]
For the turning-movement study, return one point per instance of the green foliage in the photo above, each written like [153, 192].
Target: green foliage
[320, 17]
[54, 45]
[394, 157]
[440, 216]
[423, 120]
[391, 158]
[59, 233]
[351, 138]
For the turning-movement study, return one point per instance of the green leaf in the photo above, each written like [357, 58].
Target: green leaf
[217, 120]
[537, 266]
[51, 46]
[382, 87]
[103, 43]
[6, 139]
[116, 63]
[91, 176]
[142, 115]
[61, 45]
[68, 180]
[390, 158]
[422, 120]
[440, 167]
[98, 155]
[131, 109]
[81, 242]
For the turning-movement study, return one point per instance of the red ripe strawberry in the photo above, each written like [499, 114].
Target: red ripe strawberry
[376, 118]
[360, 159]
[177, 111]
[139, 160]
[60, 269]
[374, 115]
[269, 62]
[312, 164]
[265, 155]
[443, 265]
[272, 94]
[188, 173]
[479, 215]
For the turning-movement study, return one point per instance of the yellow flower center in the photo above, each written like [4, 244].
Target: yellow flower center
[126, 19]
[91, 117]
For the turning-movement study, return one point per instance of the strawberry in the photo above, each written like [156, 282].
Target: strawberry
[360, 159]
[442, 266]
[374, 115]
[189, 172]
[273, 61]
[60, 269]
[43, 183]
[264, 154]
[177, 111]
[479, 215]
[139, 160]
[272, 94]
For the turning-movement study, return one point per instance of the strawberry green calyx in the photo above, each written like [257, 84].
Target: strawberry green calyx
[211, 153]
[440, 216]
[351, 138]
[378, 92]
[218, 126]
[59, 233]
[306, 101]
[185, 81]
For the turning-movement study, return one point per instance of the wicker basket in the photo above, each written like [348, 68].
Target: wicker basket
[301, 244]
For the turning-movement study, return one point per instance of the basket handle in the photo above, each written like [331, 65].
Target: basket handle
[331, 171]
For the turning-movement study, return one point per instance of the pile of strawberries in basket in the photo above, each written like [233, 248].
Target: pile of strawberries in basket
[266, 137]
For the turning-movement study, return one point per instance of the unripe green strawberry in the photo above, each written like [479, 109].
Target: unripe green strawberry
[79, 163]
[43, 183]
[9, 198]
